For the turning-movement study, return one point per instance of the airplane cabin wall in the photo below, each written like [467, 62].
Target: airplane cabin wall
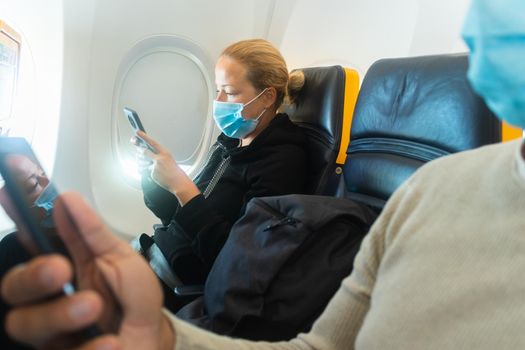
[356, 33]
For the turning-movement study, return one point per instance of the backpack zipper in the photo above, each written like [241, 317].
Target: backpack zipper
[283, 219]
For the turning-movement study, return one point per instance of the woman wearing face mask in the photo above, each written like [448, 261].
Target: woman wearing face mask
[259, 153]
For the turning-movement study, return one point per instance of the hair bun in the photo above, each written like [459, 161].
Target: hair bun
[295, 85]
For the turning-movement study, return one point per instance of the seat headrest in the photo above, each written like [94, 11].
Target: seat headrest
[410, 111]
[320, 99]
[319, 110]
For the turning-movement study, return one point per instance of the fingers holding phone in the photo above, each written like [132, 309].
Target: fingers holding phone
[167, 173]
[165, 170]
[30, 198]
[136, 125]
[37, 320]
[44, 325]
[144, 163]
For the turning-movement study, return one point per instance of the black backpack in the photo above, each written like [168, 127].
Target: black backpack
[283, 261]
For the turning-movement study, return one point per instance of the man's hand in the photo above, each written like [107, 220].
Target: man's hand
[97, 255]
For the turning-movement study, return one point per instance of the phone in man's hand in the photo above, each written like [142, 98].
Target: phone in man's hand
[136, 124]
[28, 197]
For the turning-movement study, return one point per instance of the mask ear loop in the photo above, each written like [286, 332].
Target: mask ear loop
[256, 97]
[253, 99]
[260, 115]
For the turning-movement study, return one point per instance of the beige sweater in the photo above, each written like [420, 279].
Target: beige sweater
[442, 268]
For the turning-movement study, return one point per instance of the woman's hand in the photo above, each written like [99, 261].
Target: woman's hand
[144, 163]
[49, 323]
[166, 172]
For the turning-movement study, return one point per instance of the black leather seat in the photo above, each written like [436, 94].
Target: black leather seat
[324, 109]
[410, 111]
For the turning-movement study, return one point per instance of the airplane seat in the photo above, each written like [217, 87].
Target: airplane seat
[324, 110]
[410, 111]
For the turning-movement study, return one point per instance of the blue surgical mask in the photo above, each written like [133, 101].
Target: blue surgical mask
[46, 201]
[495, 34]
[228, 116]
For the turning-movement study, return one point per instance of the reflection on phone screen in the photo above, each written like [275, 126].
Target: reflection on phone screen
[28, 197]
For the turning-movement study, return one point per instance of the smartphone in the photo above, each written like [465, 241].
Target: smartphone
[136, 124]
[28, 197]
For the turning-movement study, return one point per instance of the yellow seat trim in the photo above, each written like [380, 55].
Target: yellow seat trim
[351, 92]
[509, 132]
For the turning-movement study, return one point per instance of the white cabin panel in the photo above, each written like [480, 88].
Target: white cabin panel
[357, 33]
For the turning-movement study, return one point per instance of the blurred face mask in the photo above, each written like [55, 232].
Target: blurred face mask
[228, 116]
[494, 31]
[46, 201]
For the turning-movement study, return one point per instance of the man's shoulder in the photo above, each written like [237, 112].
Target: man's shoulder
[482, 157]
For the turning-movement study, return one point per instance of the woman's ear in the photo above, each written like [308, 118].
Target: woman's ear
[269, 97]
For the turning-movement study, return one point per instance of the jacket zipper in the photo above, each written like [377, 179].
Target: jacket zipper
[216, 177]
[210, 154]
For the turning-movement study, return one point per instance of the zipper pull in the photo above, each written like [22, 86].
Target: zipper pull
[285, 221]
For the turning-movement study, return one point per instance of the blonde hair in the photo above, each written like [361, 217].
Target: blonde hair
[266, 68]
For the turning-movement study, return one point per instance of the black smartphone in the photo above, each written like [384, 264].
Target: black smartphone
[136, 124]
[28, 197]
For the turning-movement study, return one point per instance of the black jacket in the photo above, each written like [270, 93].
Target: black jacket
[273, 164]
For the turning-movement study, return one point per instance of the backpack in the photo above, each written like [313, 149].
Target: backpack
[282, 262]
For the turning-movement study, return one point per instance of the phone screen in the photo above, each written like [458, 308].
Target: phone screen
[28, 196]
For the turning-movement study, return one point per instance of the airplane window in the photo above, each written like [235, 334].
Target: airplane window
[9, 60]
[18, 91]
[167, 81]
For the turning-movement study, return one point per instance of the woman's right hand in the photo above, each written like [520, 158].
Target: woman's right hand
[143, 162]
[167, 173]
